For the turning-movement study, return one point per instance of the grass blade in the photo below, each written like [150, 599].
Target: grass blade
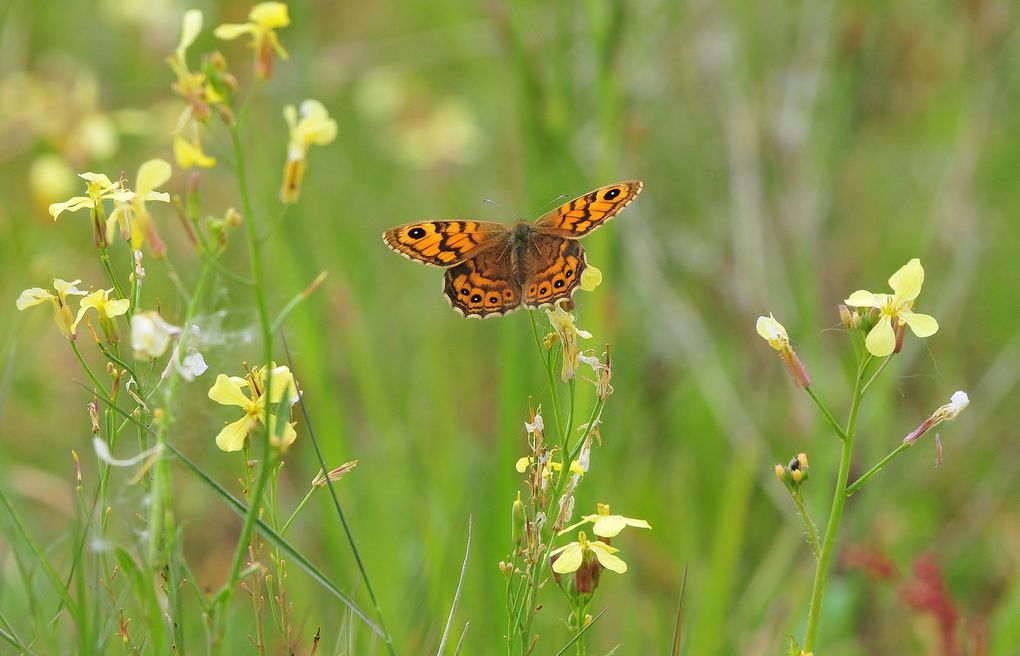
[40, 555]
[279, 542]
[678, 628]
[456, 595]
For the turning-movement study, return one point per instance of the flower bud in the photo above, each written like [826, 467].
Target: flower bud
[518, 519]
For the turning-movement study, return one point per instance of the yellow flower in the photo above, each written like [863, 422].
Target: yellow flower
[189, 154]
[61, 312]
[99, 188]
[567, 333]
[554, 466]
[229, 390]
[572, 556]
[591, 278]
[264, 19]
[608, 526]
[895, 309]
[774, 333]
[309, 125]
[107, 308]
[134, 219]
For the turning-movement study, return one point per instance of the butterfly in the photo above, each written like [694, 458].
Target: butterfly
[493, 269]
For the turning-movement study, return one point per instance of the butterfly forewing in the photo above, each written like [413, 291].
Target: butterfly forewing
[443, 243]
[589, 212]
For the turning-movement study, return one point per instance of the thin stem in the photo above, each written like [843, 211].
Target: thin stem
[878, 371]
[286, 525]
[544, 356]
[859, 483]
[812, 531]
[85, 366]
[255, 258]
[104, 257]
[835, 514]
[828, 415]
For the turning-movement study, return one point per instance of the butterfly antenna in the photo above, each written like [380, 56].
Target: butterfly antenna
[504, 210]
[554, 201]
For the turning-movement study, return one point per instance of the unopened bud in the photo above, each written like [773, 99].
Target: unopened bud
[849, 318]
[517, 521]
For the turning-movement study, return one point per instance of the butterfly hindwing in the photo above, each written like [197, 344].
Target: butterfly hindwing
[552, 268]
[483, 285]
[589, 212]
[442, 243]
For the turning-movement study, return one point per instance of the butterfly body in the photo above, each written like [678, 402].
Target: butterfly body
[493, 269]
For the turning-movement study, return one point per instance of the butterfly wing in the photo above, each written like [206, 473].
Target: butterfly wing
[589, 212]
[552, 269]
[483, 285]
[443, 243]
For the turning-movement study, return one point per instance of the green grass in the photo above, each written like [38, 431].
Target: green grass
[791, 153]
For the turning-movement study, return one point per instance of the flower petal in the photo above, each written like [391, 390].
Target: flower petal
[116, 307]
[229, 31]
[570, 559]
[33, 296]
[922, 325]
[608, 526]
[270, 14]
[152, 174]
[606, 558]
[522, 464]
[233, 435]
[70, 205]
[881, 341]
[864, 298]
[227, 392]
[906, 283]
[591, 278]
[191, 25]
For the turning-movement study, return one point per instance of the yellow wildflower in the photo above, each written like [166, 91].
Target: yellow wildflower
[608, 526]
[591, 278]
[774, 333]
[552, 466]
[570, 557]
[895, 309]
[61, 312]
[98, 188]
[190, 153]
[567, 334]
[308, 125]
[107, 308]
[264, 19]
[229, 390]
[135, 222]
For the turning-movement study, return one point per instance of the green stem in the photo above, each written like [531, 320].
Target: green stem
[544, 355]
[835, 514]
[828, 415]
[255, 258]
[104, 257]
[812, 531]
[859, 483]
[85, 366]
[286, 525]
[878, 371]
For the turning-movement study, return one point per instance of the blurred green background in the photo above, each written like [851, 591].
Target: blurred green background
[792, 152]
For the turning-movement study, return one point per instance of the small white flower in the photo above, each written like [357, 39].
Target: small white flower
[151, 334]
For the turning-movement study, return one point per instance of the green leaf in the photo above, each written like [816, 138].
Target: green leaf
[145, 594]
[793, 647]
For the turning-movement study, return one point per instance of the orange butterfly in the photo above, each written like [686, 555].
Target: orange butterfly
[492, 269]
